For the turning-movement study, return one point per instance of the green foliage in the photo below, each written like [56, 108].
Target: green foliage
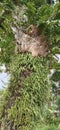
[31, 9]
[47, 127]
[4, 96]
[43, 14]
[46, 18]
[36, 2]
[40, 15]
[29, 88]
[58, 103]
[6, 35]
[56, 76]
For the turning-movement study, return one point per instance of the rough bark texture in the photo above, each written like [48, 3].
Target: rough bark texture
[31, 42]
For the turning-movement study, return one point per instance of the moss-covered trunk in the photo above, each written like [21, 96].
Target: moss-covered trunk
[27, 93]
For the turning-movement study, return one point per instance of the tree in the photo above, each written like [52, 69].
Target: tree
[28, 92]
